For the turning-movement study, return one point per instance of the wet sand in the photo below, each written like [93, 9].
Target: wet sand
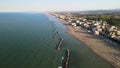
[106, 51]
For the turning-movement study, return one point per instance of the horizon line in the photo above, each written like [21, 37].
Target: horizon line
[64, 10]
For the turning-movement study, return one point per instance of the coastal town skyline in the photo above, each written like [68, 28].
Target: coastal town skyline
[55, 5]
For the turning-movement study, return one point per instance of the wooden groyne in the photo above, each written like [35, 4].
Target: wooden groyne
[54, 24]
[54, 29]
[55, 34]
[67, 59]
[59, 44]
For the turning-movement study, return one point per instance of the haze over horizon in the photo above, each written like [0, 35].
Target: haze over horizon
[57, 5]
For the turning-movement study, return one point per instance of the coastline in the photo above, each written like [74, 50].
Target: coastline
[97, 45]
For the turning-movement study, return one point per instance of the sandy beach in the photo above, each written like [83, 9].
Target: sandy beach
[106, 51]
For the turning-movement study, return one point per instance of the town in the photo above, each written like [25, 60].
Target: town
[100, 28]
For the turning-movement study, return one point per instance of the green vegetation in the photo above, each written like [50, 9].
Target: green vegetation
[115, 21]
[112, 19]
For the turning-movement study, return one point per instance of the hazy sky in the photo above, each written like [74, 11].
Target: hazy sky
[57, 5]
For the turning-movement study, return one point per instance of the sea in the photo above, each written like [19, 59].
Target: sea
[29, 40]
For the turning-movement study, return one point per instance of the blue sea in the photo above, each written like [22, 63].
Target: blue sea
[29, 40]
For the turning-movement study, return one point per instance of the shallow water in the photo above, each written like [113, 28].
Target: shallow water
[26, 41]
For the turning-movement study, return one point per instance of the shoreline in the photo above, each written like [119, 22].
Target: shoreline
[103, 50]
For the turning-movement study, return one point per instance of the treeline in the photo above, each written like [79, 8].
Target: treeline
[112, 19]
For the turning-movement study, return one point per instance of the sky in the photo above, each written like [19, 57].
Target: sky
[57, 5]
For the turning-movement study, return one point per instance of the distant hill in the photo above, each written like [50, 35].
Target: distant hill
[111, 11]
